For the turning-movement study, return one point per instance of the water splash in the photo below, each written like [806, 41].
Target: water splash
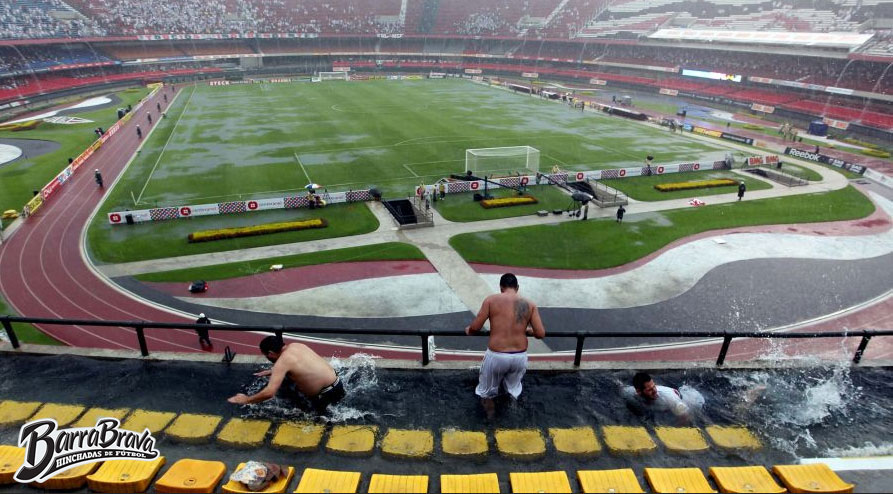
[867, 449]
[360, 380]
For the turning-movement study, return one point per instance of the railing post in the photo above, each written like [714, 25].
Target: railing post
[13, 339]
[861, 350]
[578, 353]
[425, 359]
[726, 341]
[144, 349]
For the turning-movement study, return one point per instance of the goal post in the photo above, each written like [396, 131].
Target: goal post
[333, 76]
[504, 159]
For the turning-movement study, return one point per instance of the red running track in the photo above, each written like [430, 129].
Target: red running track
[43, 274]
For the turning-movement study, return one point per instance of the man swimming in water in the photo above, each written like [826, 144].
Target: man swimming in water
[645, 397]
[505, 361]
[309, 373]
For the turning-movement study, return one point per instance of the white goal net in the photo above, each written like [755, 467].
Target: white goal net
[505, 159]
[332, 76]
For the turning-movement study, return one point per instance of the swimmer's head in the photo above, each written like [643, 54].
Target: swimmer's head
[645, 386]
[201, 315]
[507, 281]
[271, 347]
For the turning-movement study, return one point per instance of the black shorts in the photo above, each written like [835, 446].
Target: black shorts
[328, 395]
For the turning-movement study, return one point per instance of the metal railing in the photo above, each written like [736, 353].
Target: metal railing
[140, 328]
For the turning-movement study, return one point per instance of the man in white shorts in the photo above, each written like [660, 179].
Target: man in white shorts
[505, 362]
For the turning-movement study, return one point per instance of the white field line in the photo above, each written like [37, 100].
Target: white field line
[414, 174]
[173, 132]
[309, 181]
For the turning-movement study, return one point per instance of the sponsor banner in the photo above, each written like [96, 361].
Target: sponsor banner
[33, 205]
[436, 75]
[265, 204]
[839, 90]
[706, 132]
[828, 160]
[473, 71]
[669, 92]
[837, 124]
[412, 77]
[762, 108]
[342, 68]
[763, 80]
[530, 75]
[167, 37]
[598, 82]
[735, 137]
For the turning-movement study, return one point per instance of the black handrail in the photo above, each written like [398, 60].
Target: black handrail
[727, 336]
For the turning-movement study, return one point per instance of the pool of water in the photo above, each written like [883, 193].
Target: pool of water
[797, 412]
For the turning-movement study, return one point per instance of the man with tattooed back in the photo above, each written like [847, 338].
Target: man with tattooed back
[512, 319]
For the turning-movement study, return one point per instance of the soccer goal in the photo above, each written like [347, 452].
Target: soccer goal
[506, 159]
[332, 76]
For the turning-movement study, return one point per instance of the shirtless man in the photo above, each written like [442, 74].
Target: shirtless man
[505, 362]
[308, 372]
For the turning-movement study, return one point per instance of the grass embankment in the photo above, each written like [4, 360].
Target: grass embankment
[462, 207]
[391, 251]
[19, 178]
[605, 243]
[26, 333]
[642, 188]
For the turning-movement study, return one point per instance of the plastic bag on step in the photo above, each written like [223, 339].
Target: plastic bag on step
[258, 475]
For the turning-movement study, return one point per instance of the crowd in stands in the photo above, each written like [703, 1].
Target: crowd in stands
[39, 57]
[44, 19]
[557, 19]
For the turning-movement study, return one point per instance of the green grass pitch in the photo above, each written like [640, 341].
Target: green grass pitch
[263, 140]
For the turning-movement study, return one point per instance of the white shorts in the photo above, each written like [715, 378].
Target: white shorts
[501, 369]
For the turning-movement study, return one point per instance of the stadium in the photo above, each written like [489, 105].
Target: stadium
[413, 207]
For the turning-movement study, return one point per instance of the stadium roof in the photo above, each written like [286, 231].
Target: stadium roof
[825, 40]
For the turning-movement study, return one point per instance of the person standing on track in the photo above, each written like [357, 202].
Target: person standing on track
[139, 132]
[204, 339]
[98, 177]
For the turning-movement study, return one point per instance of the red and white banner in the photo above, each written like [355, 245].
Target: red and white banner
[473, 71]
[837, 124]
[598, 82]
[762, 108]
[530, 75]
[669, 92]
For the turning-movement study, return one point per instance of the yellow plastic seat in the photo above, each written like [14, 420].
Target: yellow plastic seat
[244, 433]
[16, 412]
[734, 437]
[555, 482]
[577, 441]
[407, 444]
[11, 458]
[745, 479]
[124, 476]
[676, 480]
[480, 483]
[141, 420]
[74, 478]
[315, 480]
[298, 436]
[817, 477]
[192, 428]
[89, 418]
[352, 440]
[278, 486]
[520, 444]
[187, 476]
[628, 440]
[623, 480]
[63, 414]
[682, 439]
[386, 484]
[463, 444]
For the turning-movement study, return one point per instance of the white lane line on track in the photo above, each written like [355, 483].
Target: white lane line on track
[161, 154]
